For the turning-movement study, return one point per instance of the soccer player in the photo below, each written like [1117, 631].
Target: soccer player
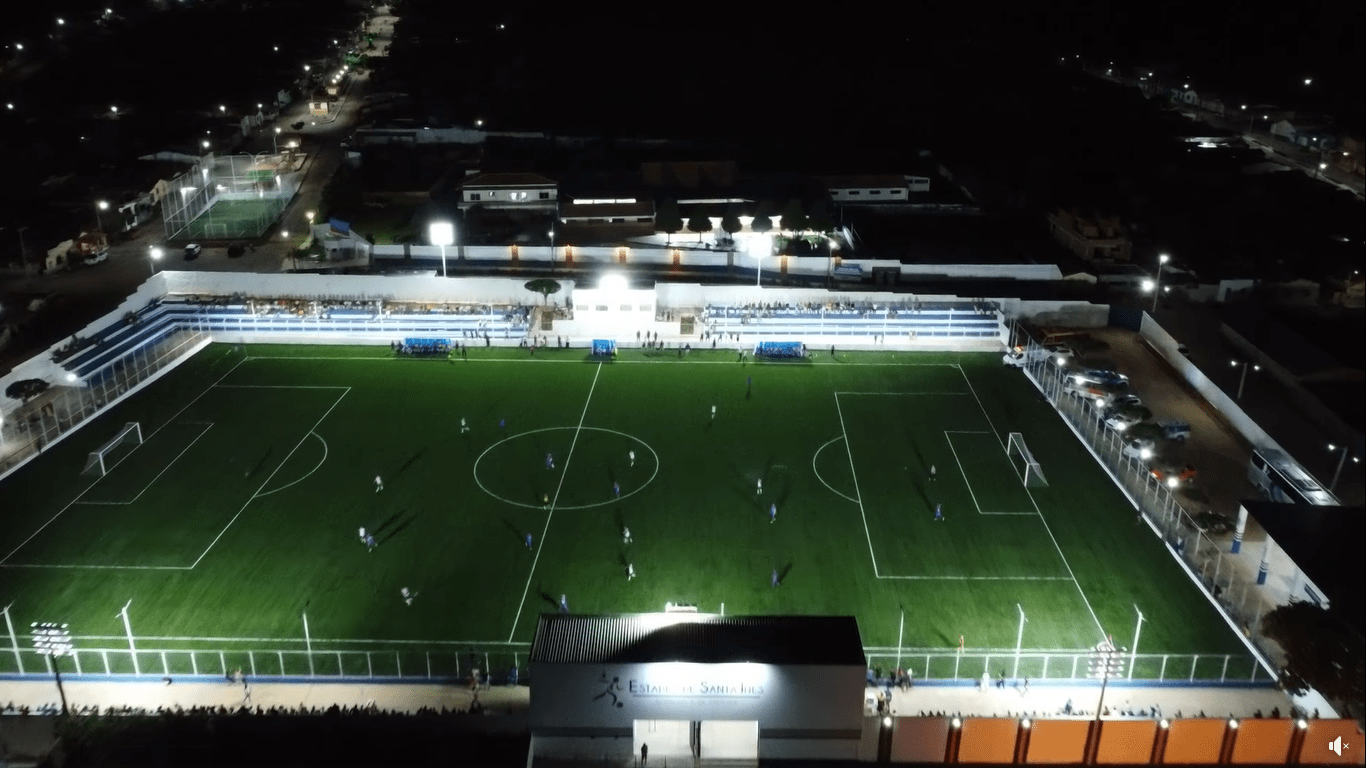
[616, 489]
[625, 535]
[630, 571]
[759, 487]
[564, 604]
[407, 595]
[549, 461]
[713, 413]
[362, 535]
[464, 427]
[774, 581]
[370, 543]
[772, 513]
[545, 501]
[632, 455]
[503, 425]
[528, 541]
[932, 472]
[938, 512]
[379, 484]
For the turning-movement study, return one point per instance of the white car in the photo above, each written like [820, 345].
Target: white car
[1060, 354]
[192, 250]
[96, 258]
[1119, 421]
[1139, 448]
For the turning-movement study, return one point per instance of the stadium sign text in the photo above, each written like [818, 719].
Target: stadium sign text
[700, 688]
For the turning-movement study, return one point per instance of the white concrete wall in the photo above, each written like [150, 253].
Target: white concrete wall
[1071, 314]
[493, 290]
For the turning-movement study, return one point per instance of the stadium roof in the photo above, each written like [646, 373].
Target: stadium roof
[697, 638]
[1325, 542]
[501, 180]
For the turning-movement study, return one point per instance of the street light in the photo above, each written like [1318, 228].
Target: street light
[1319, 174]
[275, 142]
[1337, 472]
[156, 254]
[1243, 378]
[441, 233]
[52, 640]
[99, 222]
[1155, 285]
[552, 248]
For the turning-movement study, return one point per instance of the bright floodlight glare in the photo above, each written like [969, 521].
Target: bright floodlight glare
[1163, 723]
[441, 232]
[1172, 482]
[156, 252]
[1146, 453]
[1025, 723]
[71, 377]
[1163, 259]
[887, 722]
[612, 283]
[956, 722]
[1148, 286]
[1332, 447]
[103, 205]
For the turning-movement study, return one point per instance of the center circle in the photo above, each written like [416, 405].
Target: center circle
[516, 467]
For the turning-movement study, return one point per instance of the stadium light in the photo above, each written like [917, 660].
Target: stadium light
[99, 222]
[1337, 472]
[115, 110]
[205, 143]
[759, 245]
[275, 142]
[614, 283]
[52, 640]
[441, 233]
[157, 253]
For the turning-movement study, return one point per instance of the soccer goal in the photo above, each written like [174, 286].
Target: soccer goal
[1024, 462]
[95, 463]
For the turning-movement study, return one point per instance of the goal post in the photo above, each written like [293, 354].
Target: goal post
[1023, 461]
[95, 462]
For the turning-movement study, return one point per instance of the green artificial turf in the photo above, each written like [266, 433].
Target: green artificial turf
[239, 513]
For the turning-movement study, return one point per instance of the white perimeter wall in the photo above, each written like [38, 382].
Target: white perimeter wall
[493, 290]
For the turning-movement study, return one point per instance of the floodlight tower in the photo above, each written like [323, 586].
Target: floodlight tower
[441, 233]
[53, 640]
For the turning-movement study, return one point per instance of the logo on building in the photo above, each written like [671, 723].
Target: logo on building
[610, 688]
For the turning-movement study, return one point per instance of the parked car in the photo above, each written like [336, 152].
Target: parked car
[1060, 354]
[192, 250]
[1139, 448]
[96, 258]
[1109, 379]
[1175, 430]
[1119, 421]
[1173, 475]
[1127, 399]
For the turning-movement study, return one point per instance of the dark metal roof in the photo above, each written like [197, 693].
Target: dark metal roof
[697, 638]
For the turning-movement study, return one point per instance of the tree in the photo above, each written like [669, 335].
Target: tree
[26, 389]
[699, 223]
[794, 218]
[544, 286]
[668, 219]
[1321, 651]
[763, 218]
[820, 220]
[730, 223]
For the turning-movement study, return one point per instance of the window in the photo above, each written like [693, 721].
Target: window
[545, 195]
[618, 221]
[875, 192]
[517, 196]
[601, 307]
[644, 219]
[581, 307]
[474, 195]
[852, 192]
[645, 307]
[625, 307]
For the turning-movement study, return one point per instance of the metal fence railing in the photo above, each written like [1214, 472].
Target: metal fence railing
[1236, 594]
[506, 665]
[28, 429]
[939, 664]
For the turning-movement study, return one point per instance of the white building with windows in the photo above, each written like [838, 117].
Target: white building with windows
[874, 188]
[509, 191]
[696, 688]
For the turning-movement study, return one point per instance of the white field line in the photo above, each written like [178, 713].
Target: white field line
[310, 472]
[276, 386]
[964, 472]
[982, 578]
[544, 361]
[101, 567]
[159, 474]
[1043, 520]
[817, 473]
[269, 478]
[857, 490]
[563, 474]
[176, 638]
[902, 394]
[111, 469]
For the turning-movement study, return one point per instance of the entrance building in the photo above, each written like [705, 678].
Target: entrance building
[696, 686]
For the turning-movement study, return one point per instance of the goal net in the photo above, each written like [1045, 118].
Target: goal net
[131, 434]
[1023, 461]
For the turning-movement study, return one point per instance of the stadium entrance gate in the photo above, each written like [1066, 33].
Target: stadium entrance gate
[696, 687]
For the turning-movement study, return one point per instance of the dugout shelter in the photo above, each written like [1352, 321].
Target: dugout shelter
[696, 686]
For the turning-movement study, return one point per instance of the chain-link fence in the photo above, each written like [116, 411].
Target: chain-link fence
[939, 664]
[494, 666]
[1236, 593]
[29, 428]
[228, 197]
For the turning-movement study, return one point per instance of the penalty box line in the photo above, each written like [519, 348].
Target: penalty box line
[964, 472]
[1042, 519]
[5, 559]
[153, 480]
[278, 467]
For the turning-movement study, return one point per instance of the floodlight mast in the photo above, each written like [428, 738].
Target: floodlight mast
[441, 233]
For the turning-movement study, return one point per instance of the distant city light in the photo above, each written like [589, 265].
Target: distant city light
[1308, 80]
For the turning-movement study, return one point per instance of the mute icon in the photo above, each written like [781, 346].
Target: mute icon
[1336, 746]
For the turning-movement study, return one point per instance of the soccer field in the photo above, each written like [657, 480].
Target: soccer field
[234, 219]
[240, 510]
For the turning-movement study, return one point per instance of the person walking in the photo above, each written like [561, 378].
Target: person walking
[625, 535]
[938, 512]
[379, 483]
[713, 413]
[528, 541]
[773, 582]
[632, 456]
[464, 426]
[616, 489]
[932, 473]
[370, 542]
[564, 604]
[630, 571]
[644, 754]
[772, 513]
[759, 487]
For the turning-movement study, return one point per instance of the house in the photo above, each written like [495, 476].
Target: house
[509, 191]
[1090, 238]
[1213, 105]
[874, 188]
[618, 211]
[1314, 137]
[1284, 129]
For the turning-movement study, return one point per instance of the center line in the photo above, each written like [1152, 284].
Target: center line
[563, 474]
